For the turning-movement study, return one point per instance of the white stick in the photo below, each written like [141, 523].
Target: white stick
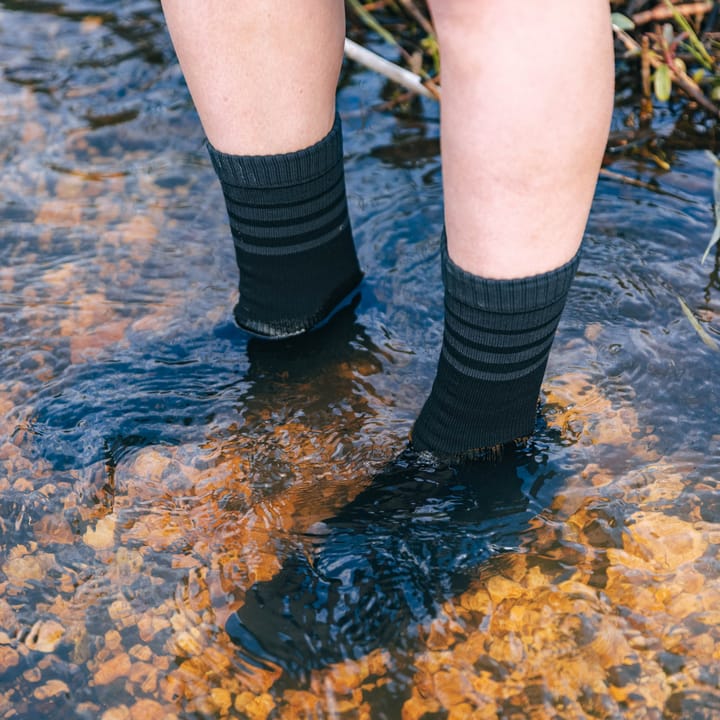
[379, 64]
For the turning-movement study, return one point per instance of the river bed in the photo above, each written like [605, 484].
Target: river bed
[159, 472]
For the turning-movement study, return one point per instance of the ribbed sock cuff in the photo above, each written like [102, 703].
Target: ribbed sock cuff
[506, 296]
[280, 170]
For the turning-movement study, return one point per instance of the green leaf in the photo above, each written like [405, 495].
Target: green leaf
[662, 83]
[622, 22]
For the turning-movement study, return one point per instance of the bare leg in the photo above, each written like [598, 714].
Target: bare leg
[527, 96]
[263, 78]
[262, 75]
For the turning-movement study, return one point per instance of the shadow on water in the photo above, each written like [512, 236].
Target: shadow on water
[178, 391]
[372, 575]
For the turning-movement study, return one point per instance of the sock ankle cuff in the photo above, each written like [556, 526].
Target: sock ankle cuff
[284, 169]
[506, 296]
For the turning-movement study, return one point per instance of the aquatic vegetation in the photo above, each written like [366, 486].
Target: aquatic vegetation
[674, 45]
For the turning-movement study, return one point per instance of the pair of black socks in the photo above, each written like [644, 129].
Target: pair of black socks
[296, 258]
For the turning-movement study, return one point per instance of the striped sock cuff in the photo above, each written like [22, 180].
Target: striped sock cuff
[507, 296]
[287, 169]
[501, 329]
[289, 220]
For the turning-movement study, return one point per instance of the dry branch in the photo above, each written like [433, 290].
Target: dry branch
[390, 70]
[415, 13]
[663, 12]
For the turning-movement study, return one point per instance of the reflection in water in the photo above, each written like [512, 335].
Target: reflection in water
[369, 575]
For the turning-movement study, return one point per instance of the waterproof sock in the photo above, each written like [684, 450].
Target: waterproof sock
[496, 343]
[293, 242]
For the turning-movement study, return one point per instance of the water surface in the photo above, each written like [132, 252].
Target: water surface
[159, 472]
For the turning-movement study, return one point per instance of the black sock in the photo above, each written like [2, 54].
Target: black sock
[293, 242]
[496, 343]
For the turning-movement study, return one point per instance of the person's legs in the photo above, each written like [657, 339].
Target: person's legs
[263, 78]
[527, 96]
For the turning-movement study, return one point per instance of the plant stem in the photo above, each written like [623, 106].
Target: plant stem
[394, 72]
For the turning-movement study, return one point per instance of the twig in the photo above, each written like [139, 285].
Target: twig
[646, 107]
[390, 70]
[662, 12]
[372, 23]
[414, 12]
[699, 329]
[635, 182]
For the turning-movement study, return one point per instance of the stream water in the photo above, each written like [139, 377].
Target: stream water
[165, 482]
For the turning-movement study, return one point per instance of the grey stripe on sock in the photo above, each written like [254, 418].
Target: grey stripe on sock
[325, 203]
[285, 231]
[275, 250]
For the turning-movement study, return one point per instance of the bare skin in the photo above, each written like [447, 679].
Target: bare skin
[527, 96]
[262, 75]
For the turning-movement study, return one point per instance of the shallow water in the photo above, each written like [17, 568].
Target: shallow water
[159, 472]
